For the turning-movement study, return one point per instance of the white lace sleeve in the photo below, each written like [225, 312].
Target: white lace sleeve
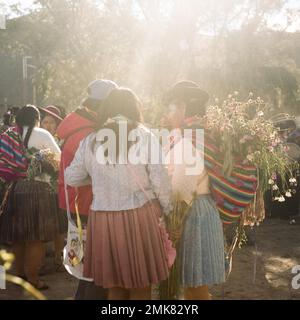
[161, 185]
[159, 178]
[184, 184]
[77, 174]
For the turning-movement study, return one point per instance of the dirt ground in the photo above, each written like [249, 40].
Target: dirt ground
[278, 251]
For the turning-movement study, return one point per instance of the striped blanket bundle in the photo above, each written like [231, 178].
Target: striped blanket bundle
[232, 194]
[13, 161]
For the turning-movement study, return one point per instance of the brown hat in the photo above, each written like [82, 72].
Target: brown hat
[52, 111]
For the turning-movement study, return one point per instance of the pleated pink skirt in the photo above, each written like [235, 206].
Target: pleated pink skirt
[125, 249]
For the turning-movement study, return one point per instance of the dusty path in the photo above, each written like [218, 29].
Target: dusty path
[278, 251]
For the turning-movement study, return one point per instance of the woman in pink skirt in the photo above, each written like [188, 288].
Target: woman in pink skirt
[125, 251]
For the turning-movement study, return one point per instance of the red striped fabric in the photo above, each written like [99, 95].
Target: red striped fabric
[13, 161]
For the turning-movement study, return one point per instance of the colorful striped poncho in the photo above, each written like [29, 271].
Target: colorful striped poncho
[234, 193]
[13, 161]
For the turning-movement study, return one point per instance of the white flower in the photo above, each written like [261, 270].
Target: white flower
[271, 181]
[260, 114]
[292, 180]
[281, 199]
[288, 194]
[275, 187]
[250, 157]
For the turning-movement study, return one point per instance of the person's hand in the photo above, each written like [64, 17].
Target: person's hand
[175, 234]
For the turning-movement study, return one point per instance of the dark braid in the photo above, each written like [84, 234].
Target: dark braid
[28, 116]
[27, 137]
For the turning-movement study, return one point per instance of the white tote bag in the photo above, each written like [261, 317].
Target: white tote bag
[73, 252]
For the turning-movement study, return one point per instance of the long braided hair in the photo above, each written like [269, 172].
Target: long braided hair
[28, 116]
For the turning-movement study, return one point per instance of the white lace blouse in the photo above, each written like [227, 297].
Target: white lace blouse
[115, 187]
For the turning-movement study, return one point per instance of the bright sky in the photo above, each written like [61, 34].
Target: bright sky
[25, 3]
[275, 21]
[281, 19]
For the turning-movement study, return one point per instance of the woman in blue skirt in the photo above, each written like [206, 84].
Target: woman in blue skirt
[202, 243]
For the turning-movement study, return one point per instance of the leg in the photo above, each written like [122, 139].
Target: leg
[198, 293]
[89, 291]
[59, 244]
[19, 252]
[80, 293]
[118, 294]
[140, 294]
[35, 253]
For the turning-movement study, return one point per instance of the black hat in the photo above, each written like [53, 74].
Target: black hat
[191, 94]
[284, 121]
[187, 91]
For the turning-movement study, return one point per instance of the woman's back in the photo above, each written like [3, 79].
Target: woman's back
[118, 186]
[41, 139]
[125, 247]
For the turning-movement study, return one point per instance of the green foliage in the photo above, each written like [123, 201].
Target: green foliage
[148, 45]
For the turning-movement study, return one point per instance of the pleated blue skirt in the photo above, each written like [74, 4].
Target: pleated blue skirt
[202, 245]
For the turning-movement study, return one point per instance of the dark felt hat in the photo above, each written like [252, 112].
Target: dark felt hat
[187, 91]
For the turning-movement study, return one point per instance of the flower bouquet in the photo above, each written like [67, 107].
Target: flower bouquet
[170, 288]
[246, 136]
[43, 166]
